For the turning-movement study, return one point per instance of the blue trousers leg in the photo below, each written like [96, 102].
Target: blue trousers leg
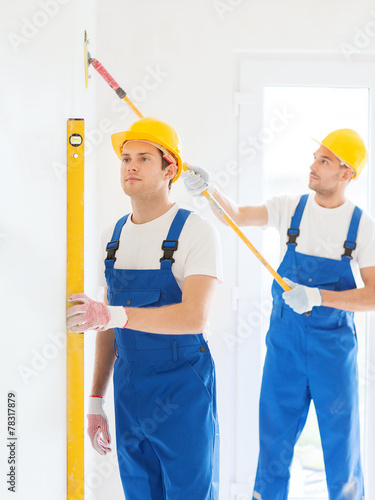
[284, 405]
[334, 387]
[167, 430]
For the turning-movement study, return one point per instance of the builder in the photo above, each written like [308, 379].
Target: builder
[311, 342]
[161, 271]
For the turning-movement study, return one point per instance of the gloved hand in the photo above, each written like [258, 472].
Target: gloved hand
[197, 180]
[92, 315]
[98, 425]
[302, 298]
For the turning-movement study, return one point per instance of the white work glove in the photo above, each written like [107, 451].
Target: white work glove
[197, 180]
[97, 427]
[92, 315]
[301, 298]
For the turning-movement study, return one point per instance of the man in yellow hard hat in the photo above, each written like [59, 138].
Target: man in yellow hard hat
[161, 270]
[311, 342]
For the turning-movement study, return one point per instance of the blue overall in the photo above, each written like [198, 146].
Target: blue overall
[164, 390]
[311, 357]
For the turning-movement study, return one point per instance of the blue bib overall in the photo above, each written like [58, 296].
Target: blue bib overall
[311, 357]
[164, 390]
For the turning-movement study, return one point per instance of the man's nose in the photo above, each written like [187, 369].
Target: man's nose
[131, 165]
[313, 166]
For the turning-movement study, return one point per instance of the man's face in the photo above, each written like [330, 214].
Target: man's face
[141, 169]
[326, 173]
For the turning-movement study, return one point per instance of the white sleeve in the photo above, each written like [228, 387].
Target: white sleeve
[273, 211]
[366, 242]
[204, 251]
[279, 210]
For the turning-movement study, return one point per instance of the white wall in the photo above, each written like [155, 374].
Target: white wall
[189, 46]
[42, 85]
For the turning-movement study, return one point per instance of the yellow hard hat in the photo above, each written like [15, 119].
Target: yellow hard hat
[349, 148]
[155, 131]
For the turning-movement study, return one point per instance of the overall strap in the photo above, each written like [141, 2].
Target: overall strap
[170, 244]
[113, 245]
[293, 231]
[351, 239]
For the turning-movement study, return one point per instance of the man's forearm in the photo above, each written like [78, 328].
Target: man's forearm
[169, 320]
[359, 299]
[227, 204]
[187, 317]
[104, 361]
[247, 215]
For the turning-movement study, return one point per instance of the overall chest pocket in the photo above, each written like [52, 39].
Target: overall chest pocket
[330, 282]
[136, 298]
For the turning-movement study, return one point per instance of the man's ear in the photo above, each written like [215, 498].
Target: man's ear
[347, 174]
[170, 171]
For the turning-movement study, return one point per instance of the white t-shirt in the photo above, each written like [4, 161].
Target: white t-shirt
[323, 231]
[199, 250]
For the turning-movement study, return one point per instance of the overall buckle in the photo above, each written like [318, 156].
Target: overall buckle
[293, 235]
[111, 249]
[169, 247]
[349, 246]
